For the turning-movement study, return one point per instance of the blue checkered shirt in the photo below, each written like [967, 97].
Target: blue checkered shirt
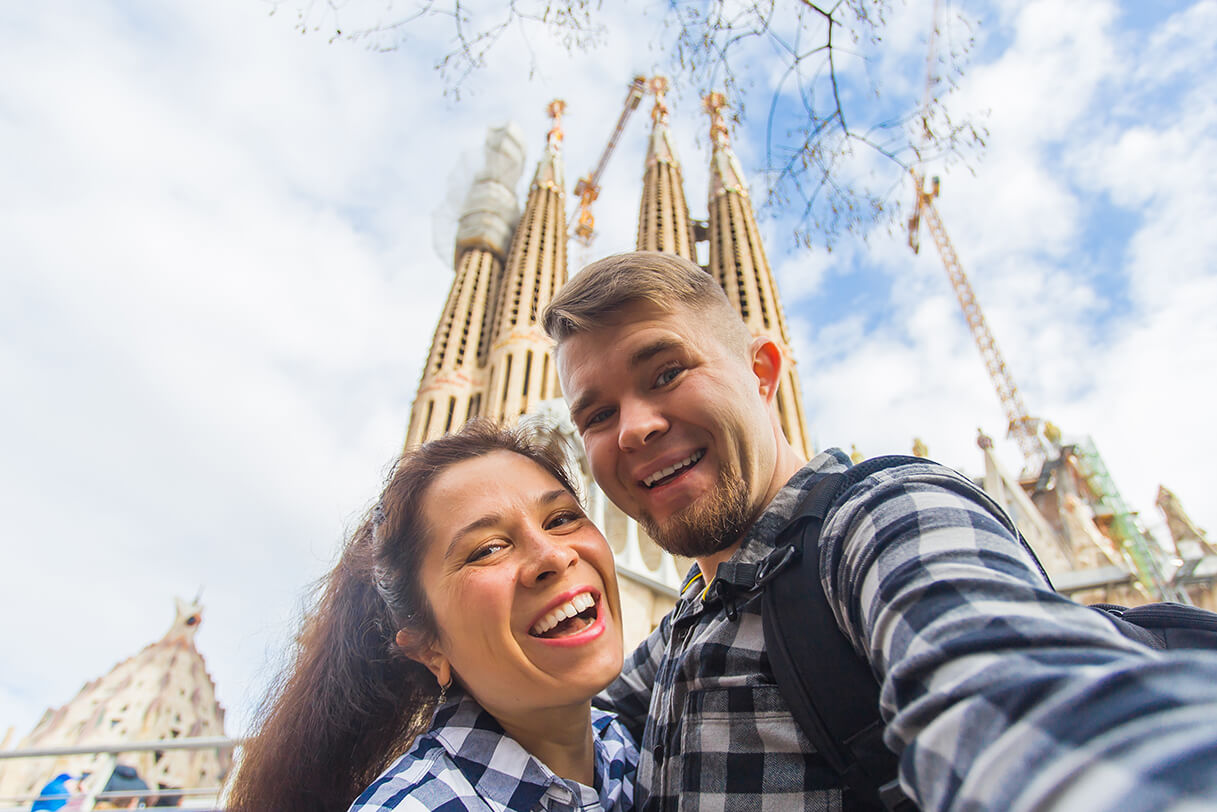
[467, 762]
[998, 693]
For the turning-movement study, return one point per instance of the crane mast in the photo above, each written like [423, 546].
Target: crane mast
[588, 186]
[1023, 427]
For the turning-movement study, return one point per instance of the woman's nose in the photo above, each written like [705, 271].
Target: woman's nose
[549, 558]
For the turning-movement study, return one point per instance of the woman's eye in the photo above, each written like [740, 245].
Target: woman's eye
[486, 550]
[563, 518]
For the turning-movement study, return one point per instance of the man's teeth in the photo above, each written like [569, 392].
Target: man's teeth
[671, 469]
[580, 603]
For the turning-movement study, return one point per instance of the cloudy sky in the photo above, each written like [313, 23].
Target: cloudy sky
[224, 244]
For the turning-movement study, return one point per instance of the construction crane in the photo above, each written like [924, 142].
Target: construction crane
[1123, 528]
[1024, 428]
[588, 186]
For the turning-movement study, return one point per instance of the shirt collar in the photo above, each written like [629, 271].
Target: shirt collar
[502, 771]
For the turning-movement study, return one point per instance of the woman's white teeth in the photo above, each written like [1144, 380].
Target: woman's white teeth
[580, 603]
[671, 469]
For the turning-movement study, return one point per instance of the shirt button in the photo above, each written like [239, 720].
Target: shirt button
[657, 752]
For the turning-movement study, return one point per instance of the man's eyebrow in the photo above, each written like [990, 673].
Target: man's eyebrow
[659, 345]
[583, 401]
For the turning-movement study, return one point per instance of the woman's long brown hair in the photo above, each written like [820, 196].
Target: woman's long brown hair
[350, 701]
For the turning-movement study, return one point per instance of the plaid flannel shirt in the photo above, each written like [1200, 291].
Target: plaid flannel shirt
[998, 693]
[467, 762]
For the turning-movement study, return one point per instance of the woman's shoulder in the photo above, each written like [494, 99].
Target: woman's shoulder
[425, 778]
[611, 733]
[616, 760]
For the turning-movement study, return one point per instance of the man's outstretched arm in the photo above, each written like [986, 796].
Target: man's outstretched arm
[998, 692]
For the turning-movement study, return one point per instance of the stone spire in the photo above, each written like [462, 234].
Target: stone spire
[163, 692]
[1190, 541]
[521, 367]
[449, 392]
[663, 217]
[737, 261]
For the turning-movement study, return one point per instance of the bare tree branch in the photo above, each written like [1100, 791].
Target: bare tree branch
[826, 118]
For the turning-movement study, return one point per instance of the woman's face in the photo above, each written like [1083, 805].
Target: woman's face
[522, 587]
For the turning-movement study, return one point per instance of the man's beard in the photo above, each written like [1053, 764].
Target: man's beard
[710, 524]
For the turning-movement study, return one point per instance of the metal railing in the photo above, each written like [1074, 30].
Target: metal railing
[194, 798]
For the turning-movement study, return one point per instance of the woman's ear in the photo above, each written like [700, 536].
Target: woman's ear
[427, 653]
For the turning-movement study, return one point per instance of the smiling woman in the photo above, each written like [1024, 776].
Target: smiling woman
[451, 659]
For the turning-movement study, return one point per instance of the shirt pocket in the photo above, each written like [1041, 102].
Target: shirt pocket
[741, 743]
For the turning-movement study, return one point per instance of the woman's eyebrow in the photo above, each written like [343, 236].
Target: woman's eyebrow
[493, 519]
[482, 523]
[557, 494]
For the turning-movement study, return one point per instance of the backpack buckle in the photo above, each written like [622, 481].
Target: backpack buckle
[777, 561]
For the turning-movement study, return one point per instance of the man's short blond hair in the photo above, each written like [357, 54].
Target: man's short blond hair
[596, 296]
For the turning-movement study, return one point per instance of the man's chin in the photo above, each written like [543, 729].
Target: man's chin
[683, 540]
[705, 527]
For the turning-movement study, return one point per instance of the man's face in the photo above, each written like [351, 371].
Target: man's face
[676, 424]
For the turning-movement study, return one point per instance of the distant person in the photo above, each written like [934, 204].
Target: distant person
[54, 795]
[997, 693]
[125, 778]
[451, 660]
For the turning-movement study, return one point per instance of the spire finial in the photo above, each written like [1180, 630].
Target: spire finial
[555, 110]
[659, 87]
[714, 103]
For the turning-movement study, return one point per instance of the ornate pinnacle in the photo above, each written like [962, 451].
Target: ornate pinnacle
[659, 86]
[714, 104]
[555, 110]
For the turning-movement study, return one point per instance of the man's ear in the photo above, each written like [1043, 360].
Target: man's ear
[767, 365]
[427, 653]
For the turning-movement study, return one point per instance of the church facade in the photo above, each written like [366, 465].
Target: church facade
[491, 358]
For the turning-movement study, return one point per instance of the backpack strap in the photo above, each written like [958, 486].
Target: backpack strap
[1164, 625]
[831, 691]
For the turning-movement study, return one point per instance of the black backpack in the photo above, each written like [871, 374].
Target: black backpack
[832, 692]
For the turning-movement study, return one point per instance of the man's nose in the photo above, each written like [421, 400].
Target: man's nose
[638, 424]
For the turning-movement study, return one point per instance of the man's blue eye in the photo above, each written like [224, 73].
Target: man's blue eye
[597, 417]
[667, 376]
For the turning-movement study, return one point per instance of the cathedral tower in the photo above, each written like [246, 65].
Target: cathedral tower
[450, 391]
[663, 217]
[521, 366]
[737, 261]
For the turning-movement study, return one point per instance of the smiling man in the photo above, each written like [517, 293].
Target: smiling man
[997, 692]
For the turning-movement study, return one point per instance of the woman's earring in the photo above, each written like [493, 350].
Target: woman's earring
[443, 692]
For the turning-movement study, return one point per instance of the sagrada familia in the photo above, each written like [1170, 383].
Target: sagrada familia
[490, 358]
